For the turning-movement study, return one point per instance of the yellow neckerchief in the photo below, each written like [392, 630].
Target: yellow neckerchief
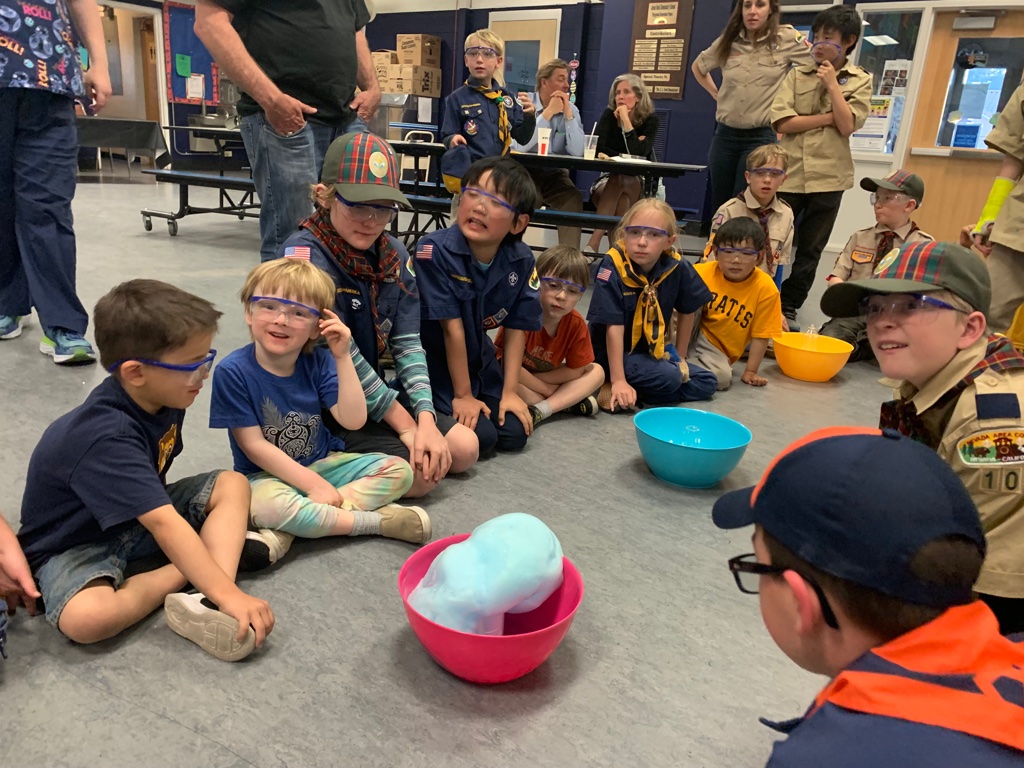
[504, 127]
[648, 318]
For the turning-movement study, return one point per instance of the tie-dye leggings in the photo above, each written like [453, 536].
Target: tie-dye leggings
[366, 481]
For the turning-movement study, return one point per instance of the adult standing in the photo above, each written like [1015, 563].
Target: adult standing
[556, 113]
[40, 77]
[297, 63]
[627, 127]
[999, 233]
[754, 53]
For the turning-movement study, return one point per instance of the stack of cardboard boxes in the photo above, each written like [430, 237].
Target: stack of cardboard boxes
[414, 68]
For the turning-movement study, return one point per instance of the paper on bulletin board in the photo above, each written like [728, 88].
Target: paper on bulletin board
[182, 64]
[195, 87]
[872, 136]
[895, 75]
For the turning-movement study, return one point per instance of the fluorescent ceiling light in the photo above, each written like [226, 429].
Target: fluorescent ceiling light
[880, 40]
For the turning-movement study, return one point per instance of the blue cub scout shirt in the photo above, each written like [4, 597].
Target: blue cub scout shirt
[452, 286]
[470, 113]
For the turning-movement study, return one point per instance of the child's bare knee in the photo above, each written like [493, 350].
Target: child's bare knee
[88, 617]
[464, 446]
[230, 488]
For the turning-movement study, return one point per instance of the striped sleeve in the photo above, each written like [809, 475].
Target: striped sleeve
[379, 396]
[411, 367]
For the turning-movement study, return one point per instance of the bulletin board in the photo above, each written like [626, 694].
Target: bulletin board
[185, 55]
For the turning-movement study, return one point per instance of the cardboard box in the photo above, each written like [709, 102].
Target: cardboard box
[418, 81]
[419, 50]
[381, 61]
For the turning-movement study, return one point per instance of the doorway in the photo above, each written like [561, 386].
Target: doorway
[531, 39]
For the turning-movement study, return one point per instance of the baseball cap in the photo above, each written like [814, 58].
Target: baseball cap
[899, 180]
[915, 268]
[859, 504]
[362, 167]
[454, 164]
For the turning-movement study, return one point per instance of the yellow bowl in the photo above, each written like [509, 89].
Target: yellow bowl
[811, 357]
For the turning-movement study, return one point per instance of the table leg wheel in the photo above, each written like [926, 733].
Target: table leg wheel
[147, 223]
[172, 227]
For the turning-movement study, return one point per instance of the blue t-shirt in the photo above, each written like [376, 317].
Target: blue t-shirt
[37, 49]
[614, 303]
[96, 469]
[452, 287]
[286, 408]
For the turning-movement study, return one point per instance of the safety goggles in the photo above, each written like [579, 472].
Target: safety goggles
[270, 308]
[904, 307]
[381, 214]
[651, 233]
[197, 371]
[487, 53]
[493, 203]
[556, 285]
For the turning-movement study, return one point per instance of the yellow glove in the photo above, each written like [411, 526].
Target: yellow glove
[1001, 189]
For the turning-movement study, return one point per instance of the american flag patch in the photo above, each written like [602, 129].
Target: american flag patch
[425, 251]
[604, 274]
[297, 252]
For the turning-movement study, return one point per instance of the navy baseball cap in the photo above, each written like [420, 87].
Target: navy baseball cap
[859, 504]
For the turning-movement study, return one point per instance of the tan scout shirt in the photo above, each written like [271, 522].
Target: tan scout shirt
[857, 261]
[752, 74]
[780, 225]
[1008, 138]
[819, 159]
[988, 456]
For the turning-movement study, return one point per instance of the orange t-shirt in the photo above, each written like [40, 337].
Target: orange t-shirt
[571, 346]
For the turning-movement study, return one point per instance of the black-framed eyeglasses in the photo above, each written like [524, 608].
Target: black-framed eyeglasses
[748, 572]
[198, 371]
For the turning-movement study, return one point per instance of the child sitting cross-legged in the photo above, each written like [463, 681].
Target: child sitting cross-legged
[641, 280]
[269, 395]
[745, 307]
[559, 373]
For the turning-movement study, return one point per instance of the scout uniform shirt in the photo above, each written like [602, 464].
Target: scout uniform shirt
[469, 112]
[981, 436]
[861, 254]
[819, 159]
[752, 74]
[1008, 138]
[453, 285]
[780, 226]
[944, 695]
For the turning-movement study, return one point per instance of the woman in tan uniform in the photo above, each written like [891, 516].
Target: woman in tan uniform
[754, 53]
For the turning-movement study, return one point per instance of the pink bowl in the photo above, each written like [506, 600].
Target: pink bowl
[529, 637]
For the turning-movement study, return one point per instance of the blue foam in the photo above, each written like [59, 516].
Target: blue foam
[510, 564]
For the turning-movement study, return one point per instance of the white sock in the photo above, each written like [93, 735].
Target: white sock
[544, 407]
[365, 523]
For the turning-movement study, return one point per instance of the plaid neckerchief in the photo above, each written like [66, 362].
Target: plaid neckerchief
[902, 414]
[888, 240]
[504, 126]
[763, 214]
[355, 263]
[648, 320]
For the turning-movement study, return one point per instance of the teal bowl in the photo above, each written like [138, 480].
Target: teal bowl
[690, 448]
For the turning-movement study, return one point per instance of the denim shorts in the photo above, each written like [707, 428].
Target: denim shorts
[65, 575]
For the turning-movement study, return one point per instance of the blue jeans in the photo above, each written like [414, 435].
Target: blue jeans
[38, 166]
[727, 160]
[283, 168]
[65, 575]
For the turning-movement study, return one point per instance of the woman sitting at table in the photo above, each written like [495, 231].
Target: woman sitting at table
[627, 127]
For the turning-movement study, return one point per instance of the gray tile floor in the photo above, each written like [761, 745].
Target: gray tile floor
[667, 663]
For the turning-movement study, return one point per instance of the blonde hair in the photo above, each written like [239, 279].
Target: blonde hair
[766, 153]
[490, 39]
[565, 263]
[641, 205]
[298, 279]
[547, 70]
[644, 106]
[322, 199]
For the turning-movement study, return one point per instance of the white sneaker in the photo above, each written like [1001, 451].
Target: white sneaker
[213, 631]
[262, 548]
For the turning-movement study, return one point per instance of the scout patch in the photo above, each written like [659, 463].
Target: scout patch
[513, 278]
[469, 128]
[495, 320]
[719, 219]
[508, 102]
[604, 274]
[843, 80]
[408, 266]
[887, 261]
[535, 281]
[862, 257]
[993, 446]
[385, 327]
[378, 165]
[425, 251]
[356, 304]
